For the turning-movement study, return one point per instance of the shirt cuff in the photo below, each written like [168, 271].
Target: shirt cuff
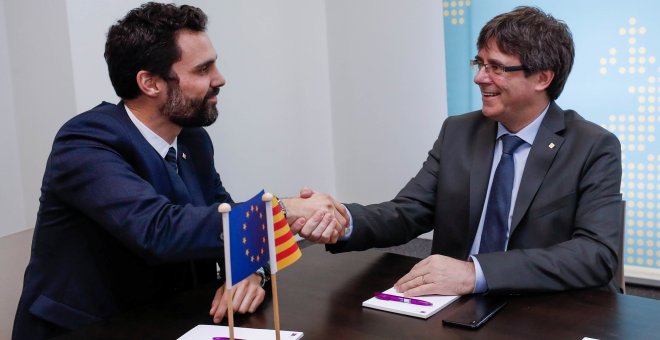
[349, 229]
[480, 285]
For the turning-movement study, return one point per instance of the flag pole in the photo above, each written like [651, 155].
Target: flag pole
[230, 314]
[224, 209]
[276, 309]
[267, 198]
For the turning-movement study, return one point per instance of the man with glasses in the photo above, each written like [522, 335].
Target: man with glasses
[522, 196]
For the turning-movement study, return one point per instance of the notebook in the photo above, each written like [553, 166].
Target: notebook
[439, 302]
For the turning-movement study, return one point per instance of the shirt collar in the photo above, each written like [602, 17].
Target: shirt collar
[158, 143]
[528, 133]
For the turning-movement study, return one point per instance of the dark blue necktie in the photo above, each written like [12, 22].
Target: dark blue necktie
[171, 158]
[496, 225]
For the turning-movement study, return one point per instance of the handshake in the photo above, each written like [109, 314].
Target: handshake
[316, 216]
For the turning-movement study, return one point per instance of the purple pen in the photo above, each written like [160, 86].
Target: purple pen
[388, 297]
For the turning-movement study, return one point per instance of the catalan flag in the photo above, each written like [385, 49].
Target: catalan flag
[247, 232]
[286, 247]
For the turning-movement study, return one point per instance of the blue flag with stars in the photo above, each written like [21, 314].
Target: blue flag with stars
[248, 238]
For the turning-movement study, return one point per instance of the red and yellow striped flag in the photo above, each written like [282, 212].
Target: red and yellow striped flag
[286, 246]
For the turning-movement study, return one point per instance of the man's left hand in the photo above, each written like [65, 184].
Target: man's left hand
[248, 295]
[438, 274]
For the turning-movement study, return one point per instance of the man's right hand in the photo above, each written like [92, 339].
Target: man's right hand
[325, 219]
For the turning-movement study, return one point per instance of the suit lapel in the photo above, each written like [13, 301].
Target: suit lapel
[484, 143]
[546, 145]
[187, 173]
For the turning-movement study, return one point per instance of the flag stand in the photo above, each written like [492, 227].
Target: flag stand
[224, 209]
[276, 308]
[230, 313]
[267, 198]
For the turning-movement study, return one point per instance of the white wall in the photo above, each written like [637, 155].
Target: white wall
[277, 99]
[388, 92]
[344, 96]
[42, 95]
[11, 200]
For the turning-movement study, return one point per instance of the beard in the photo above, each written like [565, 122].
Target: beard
[190, 112]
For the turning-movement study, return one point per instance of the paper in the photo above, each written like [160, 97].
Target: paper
[424, 312]
[208, 332]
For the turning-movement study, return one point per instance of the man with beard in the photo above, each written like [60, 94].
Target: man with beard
[128, 208]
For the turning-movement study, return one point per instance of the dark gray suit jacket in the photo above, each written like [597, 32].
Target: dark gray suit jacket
[565, 227]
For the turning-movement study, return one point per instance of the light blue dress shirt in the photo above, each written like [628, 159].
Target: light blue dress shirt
[528, 133]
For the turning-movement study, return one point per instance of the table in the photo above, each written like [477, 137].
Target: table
[321, 295]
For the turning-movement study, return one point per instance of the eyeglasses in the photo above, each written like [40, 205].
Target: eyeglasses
[497, 69]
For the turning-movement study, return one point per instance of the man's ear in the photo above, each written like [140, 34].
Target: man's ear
[150, 84]
[544, 80]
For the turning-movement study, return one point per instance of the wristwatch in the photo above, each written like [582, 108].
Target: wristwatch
[282, 206]
[264, 278]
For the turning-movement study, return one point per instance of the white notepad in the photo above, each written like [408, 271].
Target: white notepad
[439, 302]
[208, 332]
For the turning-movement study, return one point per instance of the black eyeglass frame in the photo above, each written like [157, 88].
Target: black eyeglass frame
[497, 67]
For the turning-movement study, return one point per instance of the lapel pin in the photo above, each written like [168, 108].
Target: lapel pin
[551, 146]
[183, 155]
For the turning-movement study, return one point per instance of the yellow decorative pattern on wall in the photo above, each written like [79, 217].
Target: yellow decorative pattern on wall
[637, 132]
[455, 11]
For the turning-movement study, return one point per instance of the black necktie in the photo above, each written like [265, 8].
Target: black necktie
[496, 225]
[171, 158]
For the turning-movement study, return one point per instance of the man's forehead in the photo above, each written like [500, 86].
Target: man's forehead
[196, 47]
[493, 52]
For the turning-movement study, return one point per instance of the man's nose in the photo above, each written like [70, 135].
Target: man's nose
[218, 79]
[482, 76]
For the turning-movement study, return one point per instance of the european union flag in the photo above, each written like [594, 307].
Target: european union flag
[248, 238]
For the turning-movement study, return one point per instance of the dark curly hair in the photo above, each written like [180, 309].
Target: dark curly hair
[145, 39]
[538, 39]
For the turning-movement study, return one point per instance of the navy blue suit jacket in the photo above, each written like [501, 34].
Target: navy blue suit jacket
[117, 227]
